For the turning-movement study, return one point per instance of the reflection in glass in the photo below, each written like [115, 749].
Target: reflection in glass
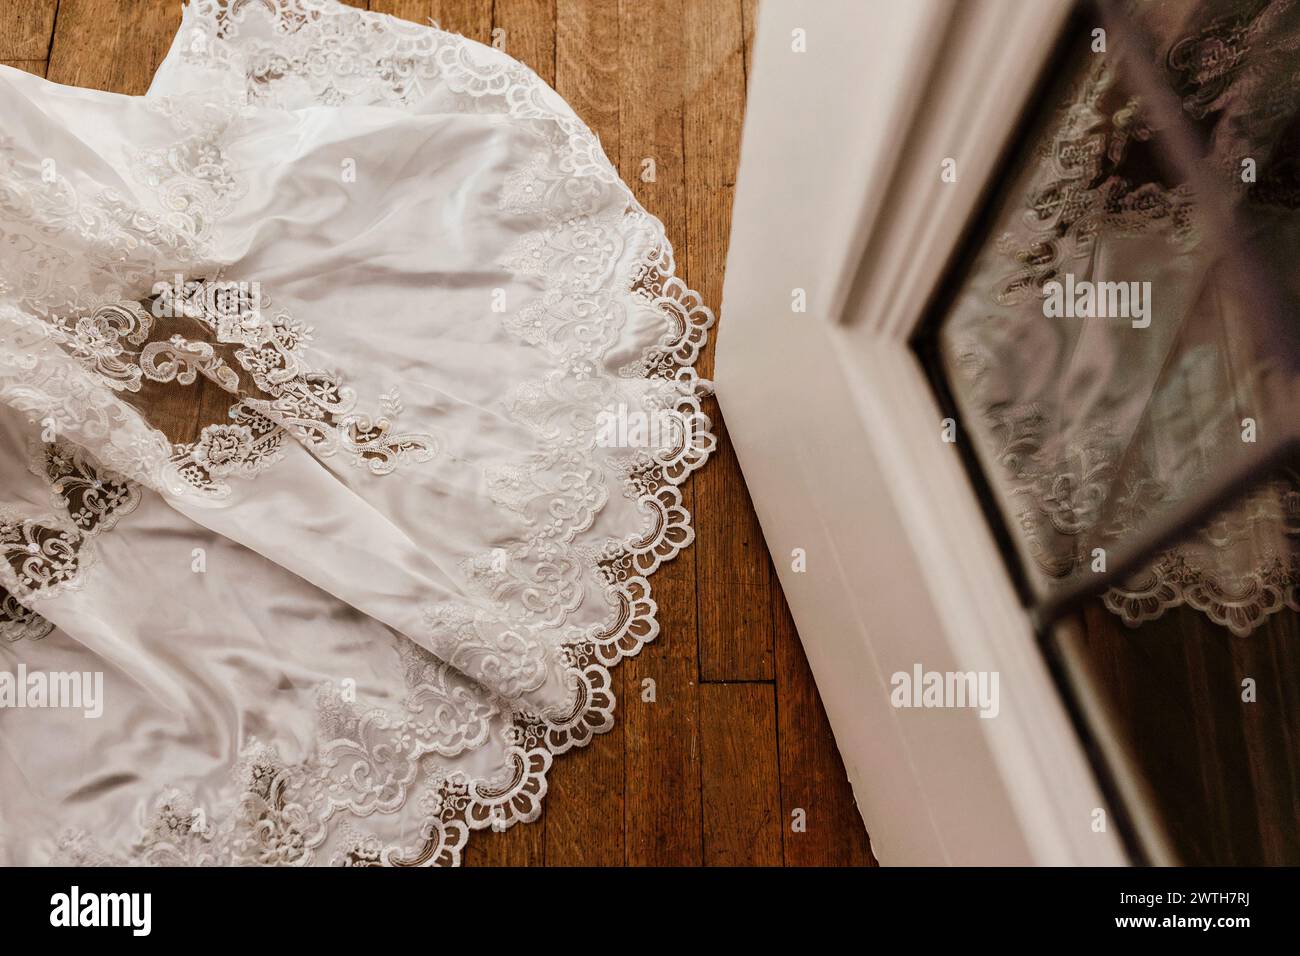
[1104, 348]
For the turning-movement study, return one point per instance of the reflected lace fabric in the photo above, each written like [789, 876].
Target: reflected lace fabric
[1090, 426]
[308, 365]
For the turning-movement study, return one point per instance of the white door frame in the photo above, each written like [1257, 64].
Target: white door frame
[837, 430]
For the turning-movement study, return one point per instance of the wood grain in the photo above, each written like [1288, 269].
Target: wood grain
[109, 45]
[587, 65]
[663, 815]
[28, 66]
[25, 29]
[528, 34]
[1224, 773]
[471, 18]
[732, 586]
[749, 15]
[742, 790]
[521, 845]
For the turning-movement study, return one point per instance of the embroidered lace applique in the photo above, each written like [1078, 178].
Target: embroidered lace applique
[313, 404]
[18, 622]
[41, 380]
[39, 557]
[94, 499]
[371, 762]
[110, 339]
[91, 247]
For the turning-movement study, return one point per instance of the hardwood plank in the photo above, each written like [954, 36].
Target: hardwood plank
[585, 804]
[27, 66]
[586, 65]
[1270, 728]
[527, 32]
[741, 790]
[813, 778]
[25, 29]
[663, 768]
[733, 589]
[714, 88]
[471, 18]
[107, 45]
[584, 801]
[730, 556]
[663, 813]
[650, 157]
[522, 845]
[1222, 767]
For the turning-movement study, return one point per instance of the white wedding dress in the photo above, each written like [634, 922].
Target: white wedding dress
[357, 614]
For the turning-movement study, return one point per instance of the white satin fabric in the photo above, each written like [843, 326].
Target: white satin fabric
[357, 617]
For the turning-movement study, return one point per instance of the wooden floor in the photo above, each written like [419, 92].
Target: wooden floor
[715, 770]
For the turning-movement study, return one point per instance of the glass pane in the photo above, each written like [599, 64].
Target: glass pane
[1109, 348]
[1197, 725]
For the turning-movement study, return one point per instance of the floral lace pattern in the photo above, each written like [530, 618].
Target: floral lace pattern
[88, 248]
[111, 340]
[19, 622]
[41, 556]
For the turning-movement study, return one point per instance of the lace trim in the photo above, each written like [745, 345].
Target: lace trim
[1240, 605]
[19, 622]
[1240, 601]
[42, 556]
[111, 340]
[309, 404]
[70, 344]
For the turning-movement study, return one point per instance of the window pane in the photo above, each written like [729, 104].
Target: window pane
[1109, 347]
[1197, 725]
